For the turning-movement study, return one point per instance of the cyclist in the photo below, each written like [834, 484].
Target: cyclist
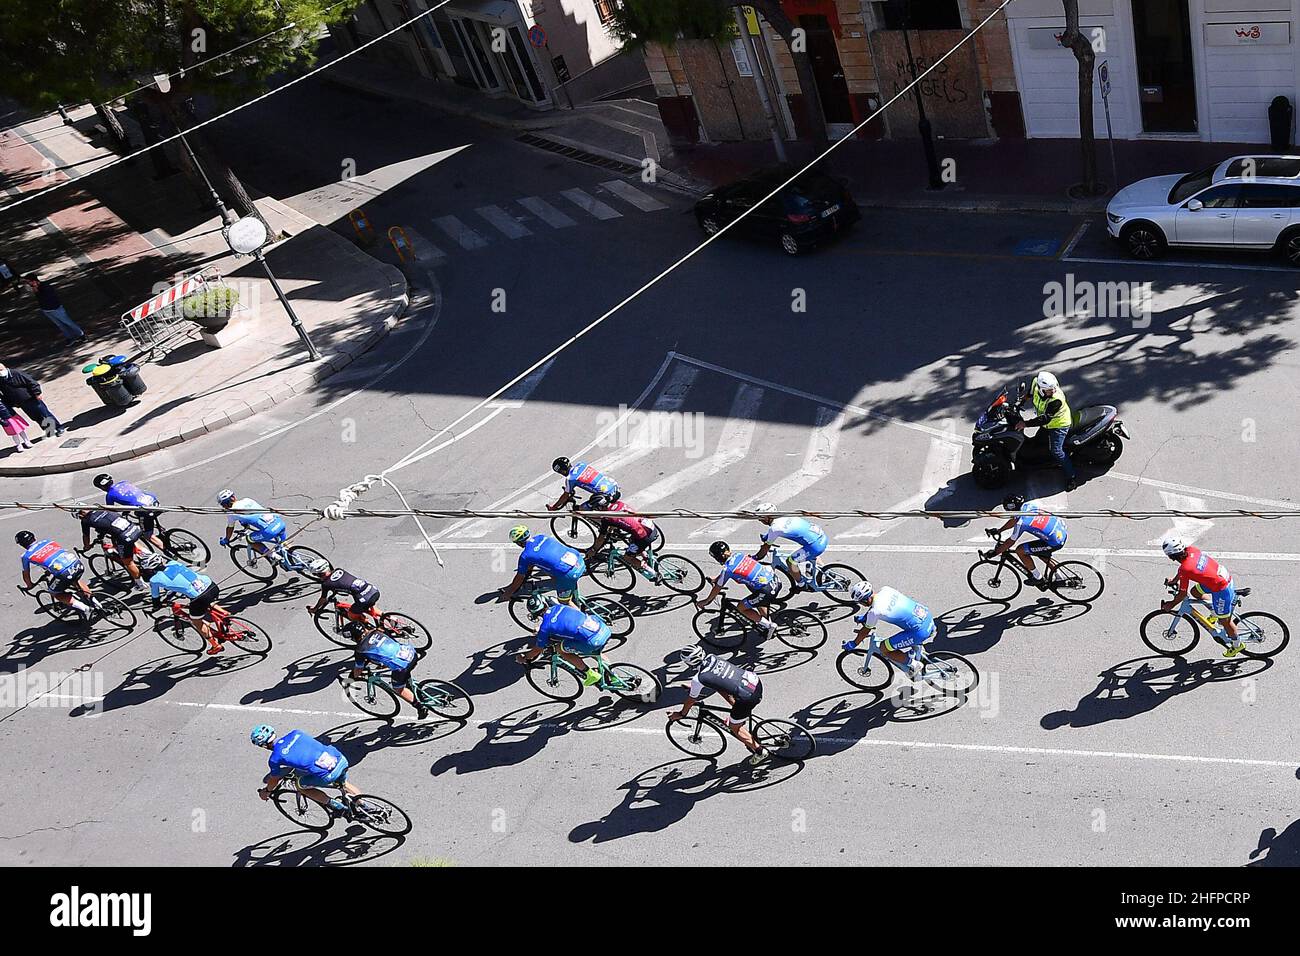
[129, 495]
[176, 578]
[915, 620]
[740, 688]
[758, 577]
[564, 565]
[812, 541]
[336, 581]
[314, 764]
[639, 532]
[1197, 567]
[579, 636]
[1047, 530]
[121, 532]
[581, 475]
[398, 657]
[263, 526]
[63, 571]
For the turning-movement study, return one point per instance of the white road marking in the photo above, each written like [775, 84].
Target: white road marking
[424, 250]
[942, 466]
[510, 227]
[590, 204]
[1074, 239]
[633, 196]
[546, 212]
[460, 233]
[1189, 529]
[515, 397]
[818, 460]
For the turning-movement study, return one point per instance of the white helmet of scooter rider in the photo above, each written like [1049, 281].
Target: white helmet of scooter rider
[1047, 383]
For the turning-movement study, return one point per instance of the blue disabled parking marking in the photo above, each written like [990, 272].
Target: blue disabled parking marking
[1037, 247]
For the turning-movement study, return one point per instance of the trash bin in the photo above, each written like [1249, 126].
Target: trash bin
[95, 382]
[1280, 113]
[129, 371]
[108, 386]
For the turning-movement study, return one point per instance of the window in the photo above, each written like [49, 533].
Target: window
[1221, 197]
[605, 9]
[1268, 196]
[919, 14]
[1264, 167]
[1191, 184]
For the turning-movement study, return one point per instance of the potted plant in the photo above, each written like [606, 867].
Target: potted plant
[211, 308]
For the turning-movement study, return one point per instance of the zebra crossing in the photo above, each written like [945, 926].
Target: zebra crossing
[528, 215]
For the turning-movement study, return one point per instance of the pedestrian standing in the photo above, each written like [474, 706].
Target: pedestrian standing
[15, 426]
[48, 301]
[20, 390]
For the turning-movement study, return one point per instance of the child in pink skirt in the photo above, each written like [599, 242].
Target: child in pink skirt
[15, 426]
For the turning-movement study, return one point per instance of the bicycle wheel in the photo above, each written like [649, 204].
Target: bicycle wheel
[619, 618]
[56, 609]
[1076, 581]
[1169, 633]
[186, 547]
[785, 739]
[837, 580]
[573, 531]
[799, 629]
[1272, 632]
[950, 674]
[524, 616]
[612, 577]
[373, 698]
[181, 635]
[634, 683]
[445, 699]
[557, 683]
[106, 571]
[680, 575]
[719, 629]
[381, 815]
[114, 614]
[330, 624]
[298, 557]
[696, 737]
[994, 580]
[876, 677]
[660, 540]
[259, 567]
[406, 628]
[244, 635]
[302, 811]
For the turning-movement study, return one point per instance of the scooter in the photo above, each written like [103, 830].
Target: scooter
[1004, 445]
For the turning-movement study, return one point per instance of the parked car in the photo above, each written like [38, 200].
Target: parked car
[1246, 202]
[812, 208]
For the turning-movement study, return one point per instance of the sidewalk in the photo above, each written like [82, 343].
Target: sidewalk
[88, 242]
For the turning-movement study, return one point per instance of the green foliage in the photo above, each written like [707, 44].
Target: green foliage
[78, 51]
[638, 22]
[210, 303]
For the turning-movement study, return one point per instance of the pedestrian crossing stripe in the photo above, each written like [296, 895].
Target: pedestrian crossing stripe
[546, 212]
[506, 224]
[590, 204]
[459, 232]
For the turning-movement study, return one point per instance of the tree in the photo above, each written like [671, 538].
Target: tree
[1083, 51]
[638, 22]
[94, 51]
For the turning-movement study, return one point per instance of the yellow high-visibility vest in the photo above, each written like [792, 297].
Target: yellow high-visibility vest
[1062, 418]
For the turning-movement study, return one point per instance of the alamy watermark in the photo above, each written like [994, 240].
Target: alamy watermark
[32, 688]
[654, 429]
[1081, 299]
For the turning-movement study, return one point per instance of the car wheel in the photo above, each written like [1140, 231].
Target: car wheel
[790, 244]
[710, 225]
[1142, 240]
[1289, 246]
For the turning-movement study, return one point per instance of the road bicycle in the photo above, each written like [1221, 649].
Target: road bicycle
[1001, 578]
[1174, 633]
[704, 733]
[533, 598]
[867, 669]
[183, 546]
[554, 677]
[378, 813]
[293, 559]
[613, 570]
[375, 696]
[237, 632]
[833, 580]
[577, 531]
[337, 623]
[104, 608]
[726, 627]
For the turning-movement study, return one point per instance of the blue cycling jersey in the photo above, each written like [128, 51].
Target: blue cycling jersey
[586, 477]
[386, 651]
[898, 609]
[743, 568]
[543, 551]
[799, 530]
[126, 494]
[299, 753]
[1044, 526]
[253, 516]
[177, 579]
[51, 557]
[561, 623]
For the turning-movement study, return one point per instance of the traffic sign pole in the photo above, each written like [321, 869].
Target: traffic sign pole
[1103, 75]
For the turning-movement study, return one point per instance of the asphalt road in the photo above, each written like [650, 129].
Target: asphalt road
[1079, 746]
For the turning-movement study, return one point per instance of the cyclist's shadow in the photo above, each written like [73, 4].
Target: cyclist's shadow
[1282, 849]
[838, 722]
[153, 679]
[33, 645]
[1142, 684]
[306, 675]
[510, 739]
[979, 627]
[305, 847]
[494, 668]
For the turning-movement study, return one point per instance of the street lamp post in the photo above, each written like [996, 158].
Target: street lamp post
[923, 124]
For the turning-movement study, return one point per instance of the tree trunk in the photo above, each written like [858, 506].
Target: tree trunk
[116, 134]
[772, 12]
[1081, 46]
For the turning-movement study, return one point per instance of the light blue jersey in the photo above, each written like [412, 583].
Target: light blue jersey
[1040, 524]
[894, 607]
[177, 579]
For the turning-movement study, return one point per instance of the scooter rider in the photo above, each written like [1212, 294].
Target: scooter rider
[1052, 412]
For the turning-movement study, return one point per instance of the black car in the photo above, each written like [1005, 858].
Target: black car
[812, 208]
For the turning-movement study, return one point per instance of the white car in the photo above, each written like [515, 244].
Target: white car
[1247, 202]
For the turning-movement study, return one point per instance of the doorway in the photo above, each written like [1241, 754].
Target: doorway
[832, 90]
[1166, 79]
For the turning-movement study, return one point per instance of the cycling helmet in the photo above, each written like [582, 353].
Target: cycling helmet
[318, 566]
[1013, 502]
[103, 482]
[719, 550]
[862, 592]
[262, 735]
[599, 503]
[1174, 546]
[692, 655]
[225, 497]
[519, 533]
[24, 539]
[560, 466]
[1047, 382]
[765, 508]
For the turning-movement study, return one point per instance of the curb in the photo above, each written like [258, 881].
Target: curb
[990, 205]
[665, 177]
